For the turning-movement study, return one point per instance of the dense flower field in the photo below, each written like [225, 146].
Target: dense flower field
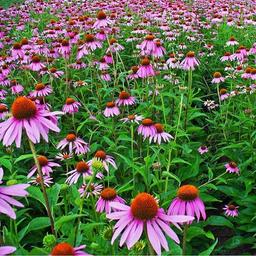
[128, 127]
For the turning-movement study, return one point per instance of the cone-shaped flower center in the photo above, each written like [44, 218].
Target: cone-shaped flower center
[248, 70]
[145, 61]
[134, 69]
[82, 167]
[71, 137]
[24, 41]
[253, 71]
[233, 164]
[227, 54]
[17, 46]
[53, 70]
[23, 108]
[13, 82]
[42, 160]
[108, 194]
[131, 117]
[124, 95]
[150, 37]
[147, 122]
[217, 75]
[223, 91]
[38, 179]
[101, 15]
[89, 38]
[190, 54]
[100, 154]
[159, 128]
[35, 59]
[39, 86]
[110, 104]
[203, 147]
[112, 41]
[65, 42]
[158, 43]
[3, 108]
[187, 192]
[231, 207]
[63, 249]
[70, 101]
[144, 206]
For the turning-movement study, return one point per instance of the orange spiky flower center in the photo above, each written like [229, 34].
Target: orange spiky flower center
[63, 249]
[108, 194]
[187, 192]
[42, 160]
[82, 167]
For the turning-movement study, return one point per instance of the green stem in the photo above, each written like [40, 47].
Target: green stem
[163, 108]
[133, 171]
[185, 230]
[209, 181]
[39, 170]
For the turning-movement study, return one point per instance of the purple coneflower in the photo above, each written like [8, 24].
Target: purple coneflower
[159, 50]
[147, 128]
[3, 111]
[65, 49]
[125, 99]
[74, 143]
[188, 202]
[232, 41]
[93, 190]
[132, 119]
[41, 90]
[102, 21]
[111, 110]
[144, 214]
[232, 167]
[223, 94]
[71, 106]
[91, 43]
[217, 78]
[145, 69]
[190, 62]
[67, 249]
[6, 193]
[36, 64]
[45, 164]
[26, 115]
[231, 210]
[114, 46]
[148, 45]
[202, 149]
[37, 180]
[64, 156]
[160, 135]
[107, 196]
[133, 73]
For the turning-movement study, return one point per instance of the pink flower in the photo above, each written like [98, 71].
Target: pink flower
[160, 135]
[145, 69]
[93, 190]
[226, 57]
[217, 78]
[190, 62]
[107, 196]
[102, 21]
[65, 49]
[37, 181]
[188, 202]
[145, 215]
[36, 65]
[159, 50]
[232, 167]
[111, 110]
[45, 164]
[90, 42]
[41, 90]
[202, 149]
[74, 143]
[27, 116]
[114, 46]
[231, 42]
[125, 99]
[6, 200]
[147, 128]
[5, 250]
[3, 111]
[231, 210]
[67, 249]
[71, 106]
[132, 119]
[148, 45]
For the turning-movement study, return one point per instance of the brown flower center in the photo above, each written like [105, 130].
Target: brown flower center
[3, 108]
[70, 101]
[71, 137]
[131, 117]
[217, 75]
[53, 70]
[35, 59]
[63, 249]
[124, 95]
[108, 194]
[101, 15]
[100, 154]
[134, 69]
[24, 41]
[39, 86]
[42, 160]
[144, 206]
[159, 128]
[82, 167]
[187, 192]
[223, 91]
[112, 41]
[233, 164]
[110, 104]
[190, 54]
[89, 38]
[147, 122]
[231, 207]
[145, 61]
[65, 42]
[23, 108]
[150, 37]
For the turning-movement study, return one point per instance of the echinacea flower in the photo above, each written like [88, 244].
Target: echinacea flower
[231, 210]
[160, 135]
[45, 164]
[232, 167]
[107, 196]
[232, 41]
[64, 156]
[82, 169]
[26, 115]
[145, 69]
[125, 99]
[217, 78]
[36, 64]
[3, 111]
[190, 62]
[132, 119]
[102, 20]
[6, 194]
[74, 143]
[202, 149]
[188, 202]
[104, 158]
[67, 249]
[93, 190]
[111, 109]
[223, 94]
[148, 45]
[37, 180]
[5, 250]
[145, 215]
[71, 106]
[41, 90]
[147, 128]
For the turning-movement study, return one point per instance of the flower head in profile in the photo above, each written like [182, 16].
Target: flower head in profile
[160, 135]
[145, 215]
[217, 78]
[232, 167]
[37, 180]
[3, 111]
[6, 197]
[231, 210]
[125, 99]
[190, 62]
[71, 106]
[67, 249]
[147, 128]
[111, 109]
[93, 190]
[41, 90]
[145, 69]
[27, 116]
[102, 21]
[188, 202]
[107, 196]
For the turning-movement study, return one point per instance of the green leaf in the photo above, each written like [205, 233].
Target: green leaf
[209, 250]
[171, 175]
[215, 220]
[65, 219]
[23, 157]
[197, 231]
[36, 193]
[6, 163]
